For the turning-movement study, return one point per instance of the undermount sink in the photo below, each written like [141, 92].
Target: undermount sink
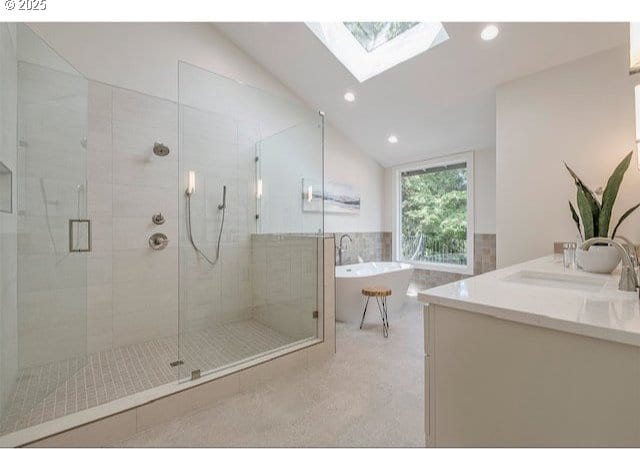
[555, 280]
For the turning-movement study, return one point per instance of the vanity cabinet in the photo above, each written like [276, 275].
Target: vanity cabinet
[494, 382]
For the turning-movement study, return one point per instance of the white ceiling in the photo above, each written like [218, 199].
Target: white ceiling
[442, 101]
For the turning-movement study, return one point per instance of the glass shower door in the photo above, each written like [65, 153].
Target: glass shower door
[248, 286]
[54, 234]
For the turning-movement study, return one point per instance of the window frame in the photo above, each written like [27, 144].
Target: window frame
[466, 157]
[363, 64]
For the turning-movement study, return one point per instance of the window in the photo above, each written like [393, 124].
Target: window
[434, 214]
[373, 34]
[369, 48]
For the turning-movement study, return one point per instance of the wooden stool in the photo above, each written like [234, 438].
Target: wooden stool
[380, 293]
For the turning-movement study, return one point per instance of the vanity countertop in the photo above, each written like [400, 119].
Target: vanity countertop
[598, 310]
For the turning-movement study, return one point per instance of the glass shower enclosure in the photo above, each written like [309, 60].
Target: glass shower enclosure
[148, 241]
[249, 255]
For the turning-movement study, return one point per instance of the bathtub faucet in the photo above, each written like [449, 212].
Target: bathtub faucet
[341, 248]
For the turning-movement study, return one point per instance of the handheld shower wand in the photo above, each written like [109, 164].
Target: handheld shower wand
[222, 207]
[224, 199]
[189, 193]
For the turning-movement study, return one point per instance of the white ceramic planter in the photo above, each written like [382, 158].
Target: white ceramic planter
[598, 259]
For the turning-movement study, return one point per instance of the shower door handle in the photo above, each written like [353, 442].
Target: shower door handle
[74, 226]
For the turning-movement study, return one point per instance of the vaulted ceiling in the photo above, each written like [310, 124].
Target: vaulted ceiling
[442, 101]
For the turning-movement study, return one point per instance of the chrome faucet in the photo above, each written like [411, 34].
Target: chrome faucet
[632, 251]
[628, 277]
[341, 248]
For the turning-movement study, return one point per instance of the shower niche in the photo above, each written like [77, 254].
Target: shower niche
[113, 299]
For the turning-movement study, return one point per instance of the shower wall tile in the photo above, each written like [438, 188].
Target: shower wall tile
[99, 134]
[200, 296]
[99, 317]
[38, 272]
[366, 246]
[48, 322]
[101, 235]
[285, 285]
[99, 269]
[53, 154]
[145, 171]
[128, 184]
[144, 310]
[484, 253]
[99, 166]
[99, 198]
[146, 111]
[377, 246]
[220, 293]
[142, 201]
[132, 290]
[134, 297]
[210, 128]
[134, 232]
[145, 282]
[100, 211]
[424, 279]
[484, 261]
[144, 264]
[140, 121]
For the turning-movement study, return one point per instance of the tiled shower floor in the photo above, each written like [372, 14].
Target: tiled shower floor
[58, 389]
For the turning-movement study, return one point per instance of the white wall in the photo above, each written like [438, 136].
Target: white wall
[144, 57]
[346, 164]
[484, 193]
[582, 113]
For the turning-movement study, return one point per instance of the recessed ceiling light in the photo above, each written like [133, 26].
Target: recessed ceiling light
[489, 33]
[350, 97]
[392, 139]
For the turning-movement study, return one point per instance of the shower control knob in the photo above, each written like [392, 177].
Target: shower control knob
[158, 218]
[158, 241]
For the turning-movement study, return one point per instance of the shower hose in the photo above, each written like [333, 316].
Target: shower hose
[190, 233]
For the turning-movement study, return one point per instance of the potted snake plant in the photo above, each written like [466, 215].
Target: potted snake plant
[593, 217]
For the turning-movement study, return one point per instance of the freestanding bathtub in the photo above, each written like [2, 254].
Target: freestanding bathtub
[350, 279]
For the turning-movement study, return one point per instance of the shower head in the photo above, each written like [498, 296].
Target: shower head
[160, 149]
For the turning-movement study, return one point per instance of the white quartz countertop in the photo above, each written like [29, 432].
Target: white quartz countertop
[605, 313]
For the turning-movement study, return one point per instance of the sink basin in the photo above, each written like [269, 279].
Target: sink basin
[556, 280]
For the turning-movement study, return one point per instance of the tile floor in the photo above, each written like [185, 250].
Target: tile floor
[58, 389]
[369, 394]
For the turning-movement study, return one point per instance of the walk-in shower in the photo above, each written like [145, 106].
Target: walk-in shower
[149, 241]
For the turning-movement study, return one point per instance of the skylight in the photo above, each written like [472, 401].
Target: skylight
[367, 49]
[373, 34]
